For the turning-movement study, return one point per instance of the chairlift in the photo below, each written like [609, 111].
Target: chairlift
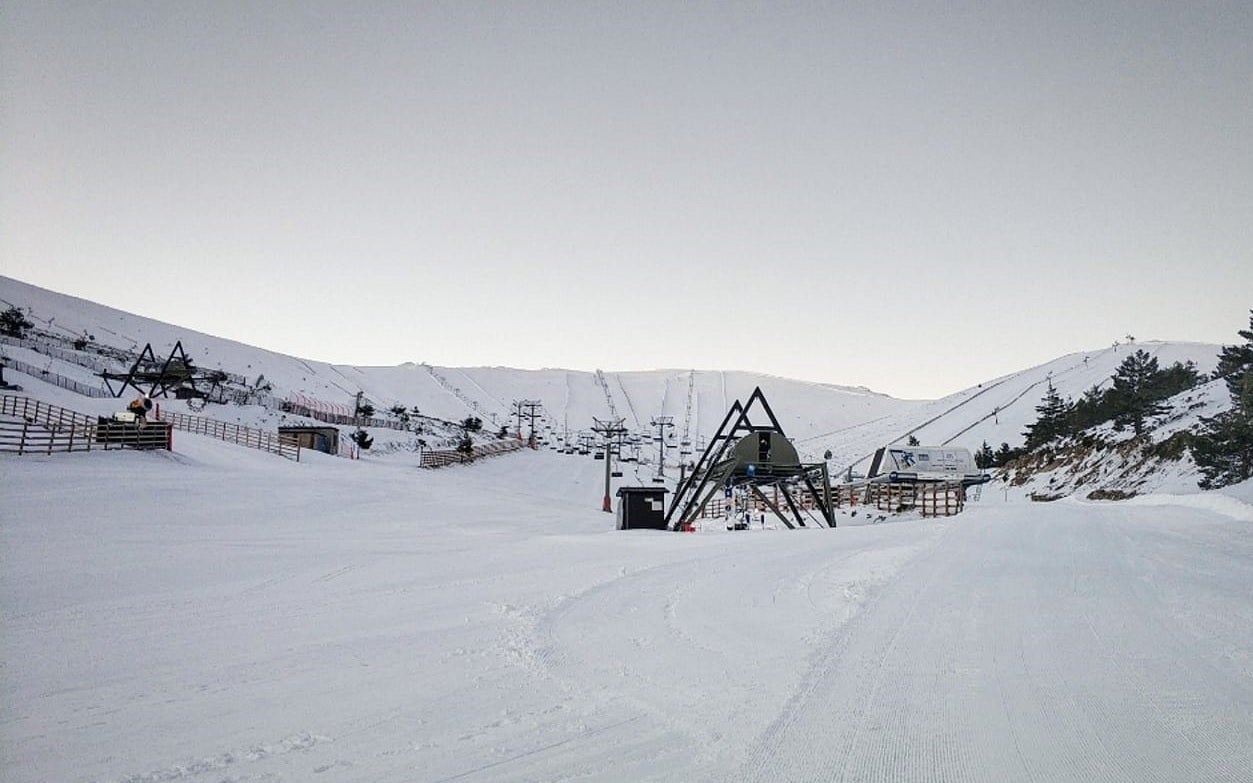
[599, 455]
[615, 474]
[659, 479]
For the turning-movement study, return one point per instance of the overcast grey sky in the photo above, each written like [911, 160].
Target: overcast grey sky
[914, 197]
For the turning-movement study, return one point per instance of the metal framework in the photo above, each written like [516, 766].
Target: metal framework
[610, 431]
[721, 467]
[176, 372]
[529, 414]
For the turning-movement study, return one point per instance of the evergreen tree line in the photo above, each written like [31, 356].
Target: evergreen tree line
[1137, 391]
[1222, 446]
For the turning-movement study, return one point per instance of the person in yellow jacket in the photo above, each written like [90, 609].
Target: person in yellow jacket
[140, 407]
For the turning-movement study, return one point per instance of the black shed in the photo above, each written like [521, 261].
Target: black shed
[642, 508]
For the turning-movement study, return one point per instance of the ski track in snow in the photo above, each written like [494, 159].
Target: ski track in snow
[339, 621]
[971, 667]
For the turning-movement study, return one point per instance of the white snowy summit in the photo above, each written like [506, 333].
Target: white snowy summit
[215, 612]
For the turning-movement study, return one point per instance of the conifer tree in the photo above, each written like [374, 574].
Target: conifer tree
[984, 457]
[1135, 392]
[1052, 422]
[1223, 449]
[1004, 454]
[1235, 360]
[14, 323]
[1091, 409]
[465, 447]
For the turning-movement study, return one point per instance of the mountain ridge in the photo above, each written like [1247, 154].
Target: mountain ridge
[848, 421]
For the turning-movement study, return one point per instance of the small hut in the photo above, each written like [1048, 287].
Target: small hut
[323, 439]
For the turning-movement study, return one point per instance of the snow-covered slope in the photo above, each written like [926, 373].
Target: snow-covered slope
[215, 613]
[219, 614]
[849, 421]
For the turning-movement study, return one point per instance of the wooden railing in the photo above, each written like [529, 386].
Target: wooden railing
[47, 376]
[234, 433]
[25, 437]
[941, 500]
[930, 499]
[310, 408]
[438, 458]
[34, 427]
[33, 410]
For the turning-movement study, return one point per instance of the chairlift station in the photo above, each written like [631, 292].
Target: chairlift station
[753, 454]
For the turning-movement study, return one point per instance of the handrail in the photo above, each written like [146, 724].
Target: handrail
[261, 440]
[33, 410]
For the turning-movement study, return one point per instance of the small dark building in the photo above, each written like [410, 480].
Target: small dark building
[323, 439]
[189, 393]
[642, 508]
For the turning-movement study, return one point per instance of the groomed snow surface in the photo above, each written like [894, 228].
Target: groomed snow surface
[217, 614]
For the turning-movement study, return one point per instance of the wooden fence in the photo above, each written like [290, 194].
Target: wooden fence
[47, 376]
[438, 458]
[34, 427]
[930, 499]
[234, 433]
[25, 437]
[310, 408]
[945, 499]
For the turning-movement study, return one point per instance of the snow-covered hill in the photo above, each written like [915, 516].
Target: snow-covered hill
[219, 614]
[848, 421]
[215, 613]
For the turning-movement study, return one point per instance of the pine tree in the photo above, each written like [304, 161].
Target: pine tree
[1223, 449]
[465, 447]
[1174, 379]
[14, 323]
[984, 457]
[1234, 361]
[1053, 420]
[1134, 395]
[1091, 409]
[1004, 454]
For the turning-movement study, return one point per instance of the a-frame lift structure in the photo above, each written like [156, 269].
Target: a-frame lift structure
[757, 456]
[174, 373]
